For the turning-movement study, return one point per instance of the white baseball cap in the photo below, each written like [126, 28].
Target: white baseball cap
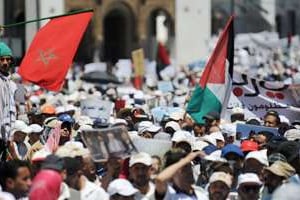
[260, 156]
[35, 128]
[21, 126]
[147, 126]
[177, 115]
[221, 176]
[248, 178]
[174, 125]
[142, 157]
[215, 157]
[181, 135]
[122, 187]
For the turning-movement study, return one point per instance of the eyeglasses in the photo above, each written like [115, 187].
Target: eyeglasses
[8, 59]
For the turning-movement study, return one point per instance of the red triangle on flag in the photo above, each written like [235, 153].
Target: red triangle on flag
[214, 71]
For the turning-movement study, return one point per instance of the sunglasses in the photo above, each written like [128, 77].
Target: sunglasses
[8, 59]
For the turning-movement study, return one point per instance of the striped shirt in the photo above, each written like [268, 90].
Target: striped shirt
[7, 106]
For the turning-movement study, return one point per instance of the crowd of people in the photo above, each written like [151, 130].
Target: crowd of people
[43, 155]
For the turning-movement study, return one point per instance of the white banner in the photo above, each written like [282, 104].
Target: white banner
[257, 97]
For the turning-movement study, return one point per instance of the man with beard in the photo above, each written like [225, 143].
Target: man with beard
[7, 102]
[15, 178]
[139, 173]
[176, 181]
[219, 186]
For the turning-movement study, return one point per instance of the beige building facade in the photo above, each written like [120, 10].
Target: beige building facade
[120, 26]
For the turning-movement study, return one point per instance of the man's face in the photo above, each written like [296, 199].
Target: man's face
[248, 191]
[261, 140]
[140, 174]
[21, 184]
[270, 121]
[184, 178]
[218, 191]
[89, 169]
[5, 63]
[19, 136]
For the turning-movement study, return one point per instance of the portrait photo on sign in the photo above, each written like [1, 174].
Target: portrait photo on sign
[109, 142]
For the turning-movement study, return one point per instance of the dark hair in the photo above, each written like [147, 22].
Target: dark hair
[275, 114]
[174, 155]
[184, 146]
[72, 165]
[10, 170]
[267, 134]
[237, 117]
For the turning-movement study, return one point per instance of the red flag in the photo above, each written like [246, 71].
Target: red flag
[51, 52]
[163, 54]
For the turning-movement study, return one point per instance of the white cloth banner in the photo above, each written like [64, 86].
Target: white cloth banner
[257, 97]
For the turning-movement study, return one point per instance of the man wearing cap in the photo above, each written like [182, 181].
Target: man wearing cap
[219, 186]
[275, 176]
[235, 158]
[7, 102]
[248, 186]
[34, 140]
[121, 189]
[18, 147]
[291, 151]
[140, 175]
[255, 162]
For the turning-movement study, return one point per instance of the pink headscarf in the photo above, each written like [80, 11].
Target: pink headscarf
[46, 185]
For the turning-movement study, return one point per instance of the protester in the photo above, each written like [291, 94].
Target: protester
[248, 186]
[274, 176]
[140, 175]
[8, 108]
[15, 178]
[219, 186]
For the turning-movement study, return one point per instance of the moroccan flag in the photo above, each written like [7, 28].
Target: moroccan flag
[51, 52]
[214, 88]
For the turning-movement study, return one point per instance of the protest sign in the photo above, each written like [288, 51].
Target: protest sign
[123, 69]
[92, 67]
[152, 146]
[109, 142]
[244, 130]
[138, 62]
[96, 108]
[257, 97]
[161, 112]
[165, 86]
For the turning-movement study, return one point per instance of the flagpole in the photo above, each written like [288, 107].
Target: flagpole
[45, 18]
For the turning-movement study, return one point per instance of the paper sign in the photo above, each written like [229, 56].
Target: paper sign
[96, 108]
[110, 142]
[152, 146]
[244, 130]
[138, 62]
[165, 86]
[92, 67]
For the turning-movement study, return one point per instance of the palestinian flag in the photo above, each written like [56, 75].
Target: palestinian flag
[213, 91]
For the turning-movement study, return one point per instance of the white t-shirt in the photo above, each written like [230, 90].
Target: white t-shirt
[150, 194]
[173, 195]
[93, 192]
